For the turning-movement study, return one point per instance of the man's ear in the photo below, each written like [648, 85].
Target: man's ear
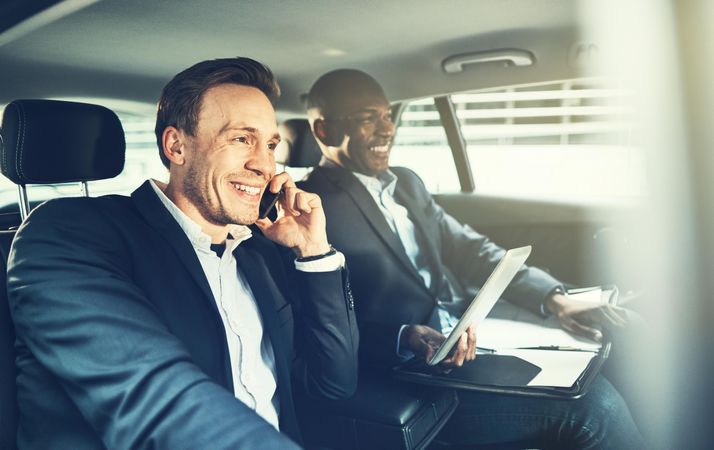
[330, 134]
[173, 148]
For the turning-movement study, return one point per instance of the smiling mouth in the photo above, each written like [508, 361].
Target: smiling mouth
[250, 190]
[379, 149]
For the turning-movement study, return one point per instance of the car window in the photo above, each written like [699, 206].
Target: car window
[420, 144]
[564, 139]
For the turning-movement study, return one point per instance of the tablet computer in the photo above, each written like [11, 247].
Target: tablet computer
[486, 298]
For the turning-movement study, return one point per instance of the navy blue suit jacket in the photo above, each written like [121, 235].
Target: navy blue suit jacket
[120, 344]
[388, 289]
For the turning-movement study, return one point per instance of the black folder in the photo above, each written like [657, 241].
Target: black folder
[504, 374]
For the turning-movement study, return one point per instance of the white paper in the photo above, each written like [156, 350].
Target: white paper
[558, 368]
[511, 327]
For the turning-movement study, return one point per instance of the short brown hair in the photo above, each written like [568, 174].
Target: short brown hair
[180, 101]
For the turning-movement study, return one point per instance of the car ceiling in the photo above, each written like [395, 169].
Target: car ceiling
[129, 49]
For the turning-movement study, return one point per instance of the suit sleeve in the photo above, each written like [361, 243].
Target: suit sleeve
[471, 257]
[77, 310]
[326, 332]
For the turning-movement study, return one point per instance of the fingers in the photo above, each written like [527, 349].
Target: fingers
[280, 181]
[471, 351]
[606, 315]
[583, 330]
[426, 350]
[263, 223]
[296, 201]
[422, 340]
[460, 353]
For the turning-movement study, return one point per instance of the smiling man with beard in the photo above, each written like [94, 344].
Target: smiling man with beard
[175, 318]
[412, 266]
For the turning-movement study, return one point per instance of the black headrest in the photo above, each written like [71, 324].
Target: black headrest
[300, 149]
[49, 141]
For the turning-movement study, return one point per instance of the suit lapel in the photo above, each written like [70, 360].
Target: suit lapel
[156, 215]
[253, 267]
[427, 244]
[364, 201]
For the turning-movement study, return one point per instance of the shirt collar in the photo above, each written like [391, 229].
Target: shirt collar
[386, 180]
[199, 239]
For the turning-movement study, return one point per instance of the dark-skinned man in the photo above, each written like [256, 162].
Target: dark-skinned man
[412, 265]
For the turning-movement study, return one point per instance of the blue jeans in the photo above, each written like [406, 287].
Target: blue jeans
[598, 420]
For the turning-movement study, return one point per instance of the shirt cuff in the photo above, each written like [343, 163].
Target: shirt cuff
[326, 264]
[405, 355]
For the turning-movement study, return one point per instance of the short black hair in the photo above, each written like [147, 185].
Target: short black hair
[332, 89]
[181, 98]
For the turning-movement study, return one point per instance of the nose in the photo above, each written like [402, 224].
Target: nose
[262, 161]
[385, 126]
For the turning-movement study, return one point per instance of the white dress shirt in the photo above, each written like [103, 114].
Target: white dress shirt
[250, 350]
[381, 188]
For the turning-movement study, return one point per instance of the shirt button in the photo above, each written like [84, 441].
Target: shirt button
[233, 324]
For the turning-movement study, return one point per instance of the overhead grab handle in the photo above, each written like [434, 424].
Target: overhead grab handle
[510, 57]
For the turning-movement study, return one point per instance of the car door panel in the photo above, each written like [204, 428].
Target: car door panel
[570, 241]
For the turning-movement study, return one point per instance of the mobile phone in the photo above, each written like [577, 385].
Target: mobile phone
[267, 203]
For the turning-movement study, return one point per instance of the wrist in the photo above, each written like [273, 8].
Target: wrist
[556, 301]
[315, 254]
[308, 251]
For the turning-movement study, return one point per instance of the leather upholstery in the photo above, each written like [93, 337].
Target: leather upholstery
[298, 147]
[44, 142]
[382, 414]
[8, 372]
[49, 141]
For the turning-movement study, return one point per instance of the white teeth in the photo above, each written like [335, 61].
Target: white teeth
[380, 149]
[248, 189]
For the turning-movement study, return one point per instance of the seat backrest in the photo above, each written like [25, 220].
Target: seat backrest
[298, 147]
[8, 372]
[46, 142]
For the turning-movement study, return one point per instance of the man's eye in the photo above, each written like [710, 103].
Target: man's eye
[242, 139]
[368, 119]
[272, 145]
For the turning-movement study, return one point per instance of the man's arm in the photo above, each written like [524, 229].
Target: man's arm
[471, 256]
[76, 308]
[327, 330]
[327, 334]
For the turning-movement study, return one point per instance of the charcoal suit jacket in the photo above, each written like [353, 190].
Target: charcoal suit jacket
[120, 344]
[387, 288]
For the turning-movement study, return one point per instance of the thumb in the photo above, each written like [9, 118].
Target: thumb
[263, 223]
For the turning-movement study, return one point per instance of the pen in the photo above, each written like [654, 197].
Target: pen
[556, 347]
[485, 350]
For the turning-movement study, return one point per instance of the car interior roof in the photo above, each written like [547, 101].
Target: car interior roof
[129, 49]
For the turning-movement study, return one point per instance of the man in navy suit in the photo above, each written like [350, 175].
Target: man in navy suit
[176, 318]
[412, 266]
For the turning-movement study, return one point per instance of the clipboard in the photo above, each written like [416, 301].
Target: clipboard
[488, 295]
[505, 374]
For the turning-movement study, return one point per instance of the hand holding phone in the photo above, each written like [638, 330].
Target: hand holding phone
[301, 225]
[268, 201]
